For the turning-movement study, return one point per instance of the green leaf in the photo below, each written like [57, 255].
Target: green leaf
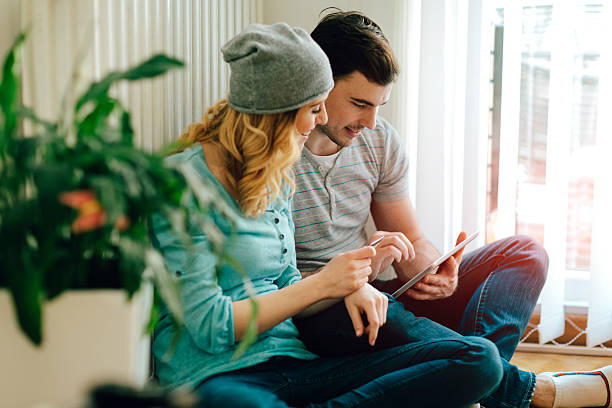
[26, 290]
[111, 197]
[153, 67]
[24, 152]
[52, 179]
[98, 90]
[127, 131]
[130, 179]
[10, 74]
[166, 283]
[109, 133]
[173, 147]
[131, 263]
[206, 194]
[154, 315]
[28, 113]
[9, 93]
[97, 117]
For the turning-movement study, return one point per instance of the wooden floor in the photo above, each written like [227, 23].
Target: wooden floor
[538, 362]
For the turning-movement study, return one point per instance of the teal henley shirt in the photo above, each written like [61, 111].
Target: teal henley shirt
[265, 248]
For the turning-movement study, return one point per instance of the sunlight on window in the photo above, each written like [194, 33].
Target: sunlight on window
[537, 44]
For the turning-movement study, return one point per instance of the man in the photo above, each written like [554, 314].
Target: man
[356, 165]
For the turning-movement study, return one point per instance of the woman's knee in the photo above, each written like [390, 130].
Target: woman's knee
[485, 366]
[222, 392]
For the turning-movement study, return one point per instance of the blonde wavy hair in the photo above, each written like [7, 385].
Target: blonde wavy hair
[259, 150]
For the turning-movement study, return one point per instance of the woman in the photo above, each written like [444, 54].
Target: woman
[245, 146]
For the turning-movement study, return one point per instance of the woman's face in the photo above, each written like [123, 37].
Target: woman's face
[308, 116]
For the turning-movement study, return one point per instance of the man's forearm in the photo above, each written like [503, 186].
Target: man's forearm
[425, 253]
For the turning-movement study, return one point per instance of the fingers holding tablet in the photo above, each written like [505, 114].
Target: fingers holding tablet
[462, 237]
[447, 269]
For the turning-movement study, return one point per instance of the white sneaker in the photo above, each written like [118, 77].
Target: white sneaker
[582, 388]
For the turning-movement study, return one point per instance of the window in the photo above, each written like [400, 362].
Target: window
[553, 151]
[515, 137]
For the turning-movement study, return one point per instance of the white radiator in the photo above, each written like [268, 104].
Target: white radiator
[99, 36]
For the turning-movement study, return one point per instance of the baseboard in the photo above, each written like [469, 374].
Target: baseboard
[574, 335]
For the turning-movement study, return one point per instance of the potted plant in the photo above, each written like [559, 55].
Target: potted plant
[76, 197]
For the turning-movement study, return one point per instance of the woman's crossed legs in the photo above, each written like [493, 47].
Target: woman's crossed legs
[442, 372]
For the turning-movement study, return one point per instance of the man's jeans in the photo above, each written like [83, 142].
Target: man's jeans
[442, 372]
[499, 285]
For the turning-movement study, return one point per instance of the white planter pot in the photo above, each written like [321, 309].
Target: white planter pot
[89, 337]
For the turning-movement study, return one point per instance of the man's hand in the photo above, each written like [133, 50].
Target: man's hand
[374, 304]
[443, 282]
[394, 247]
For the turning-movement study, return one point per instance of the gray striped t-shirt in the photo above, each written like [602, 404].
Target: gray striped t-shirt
[332, 198]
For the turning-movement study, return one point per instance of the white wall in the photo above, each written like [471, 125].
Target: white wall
[9, 24]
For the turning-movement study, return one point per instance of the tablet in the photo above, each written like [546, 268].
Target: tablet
[434, 265]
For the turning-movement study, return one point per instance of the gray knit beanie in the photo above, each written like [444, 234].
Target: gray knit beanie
[275, 68]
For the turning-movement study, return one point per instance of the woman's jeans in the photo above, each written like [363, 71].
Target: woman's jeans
[499, 285]
[442, 372]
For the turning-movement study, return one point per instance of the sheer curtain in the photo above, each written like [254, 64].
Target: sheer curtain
[572, 63]
[599, 324]
[555, 79]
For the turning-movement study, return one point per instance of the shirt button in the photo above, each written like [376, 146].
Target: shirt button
[282, 236]
[333, 205]
[276, 220]
[321, 168]
[284, 250]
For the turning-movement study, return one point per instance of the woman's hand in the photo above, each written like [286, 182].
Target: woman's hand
[373, 304]
[347, 272]
[394, 247]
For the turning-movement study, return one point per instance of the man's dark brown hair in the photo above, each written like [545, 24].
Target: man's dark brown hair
[353, 42]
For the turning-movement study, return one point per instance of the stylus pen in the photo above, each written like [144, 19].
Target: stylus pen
[376, 241]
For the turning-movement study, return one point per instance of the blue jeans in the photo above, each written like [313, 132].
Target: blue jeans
[499, 285]
[445, 372]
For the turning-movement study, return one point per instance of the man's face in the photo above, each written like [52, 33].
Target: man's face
[351, 106]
